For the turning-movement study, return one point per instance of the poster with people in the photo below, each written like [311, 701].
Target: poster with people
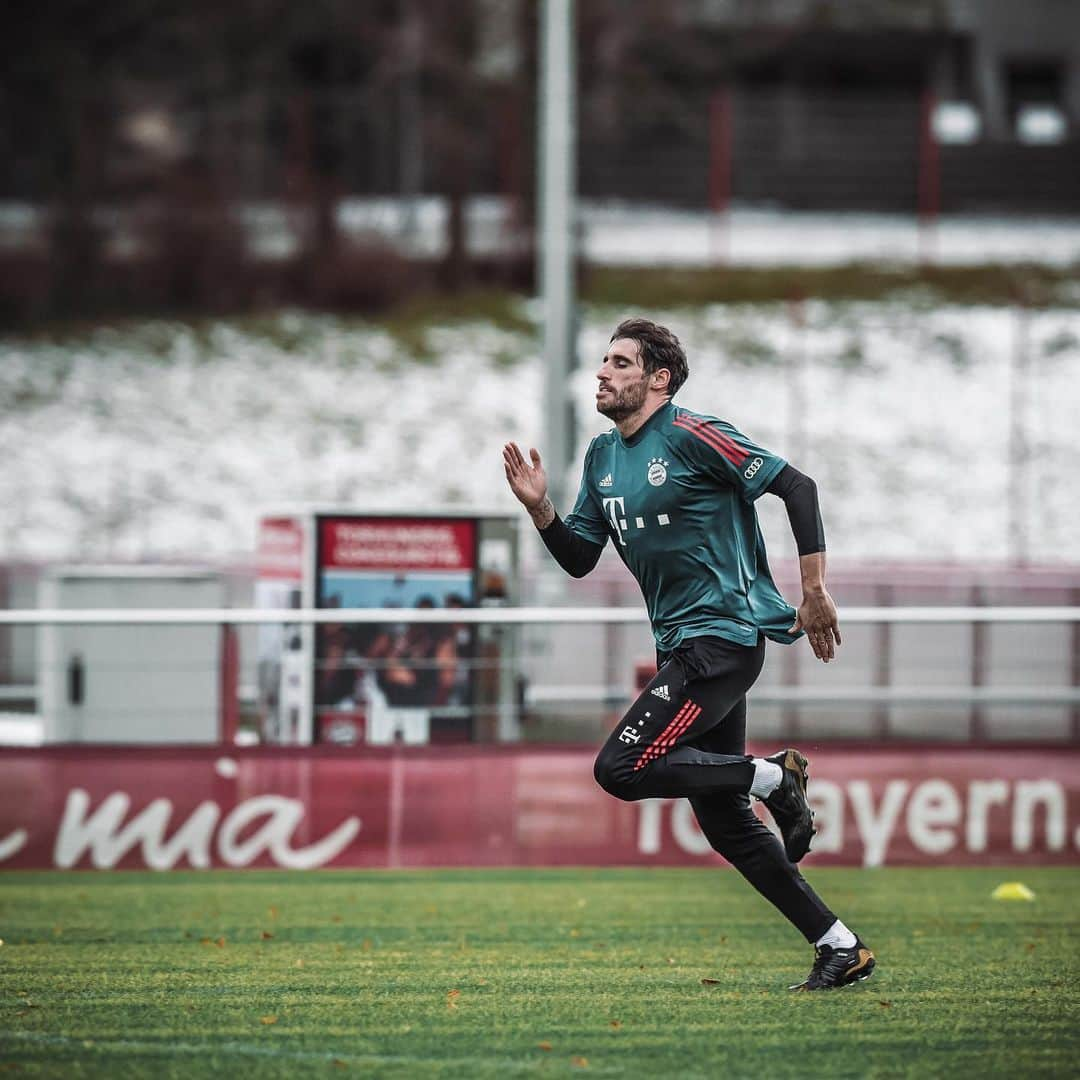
[389, 678]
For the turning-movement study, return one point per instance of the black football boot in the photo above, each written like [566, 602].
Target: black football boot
[838, 967]
[788, 804]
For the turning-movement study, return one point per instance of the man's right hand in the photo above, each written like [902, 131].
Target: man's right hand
[527, 482]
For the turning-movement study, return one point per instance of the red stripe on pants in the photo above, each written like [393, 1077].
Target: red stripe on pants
[670, 735]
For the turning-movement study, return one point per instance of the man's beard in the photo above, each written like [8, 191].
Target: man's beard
[624, 403]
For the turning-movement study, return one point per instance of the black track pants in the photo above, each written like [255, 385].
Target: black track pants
[685, 736]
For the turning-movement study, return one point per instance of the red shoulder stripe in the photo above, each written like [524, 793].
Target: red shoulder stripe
[720, 437]
[711, 437]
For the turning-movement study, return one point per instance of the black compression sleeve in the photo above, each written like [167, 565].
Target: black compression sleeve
[574, 554]
[799, 493]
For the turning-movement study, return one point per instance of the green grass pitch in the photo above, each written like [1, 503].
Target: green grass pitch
[474, 973]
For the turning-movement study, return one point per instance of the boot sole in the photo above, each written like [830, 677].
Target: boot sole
[862, 976]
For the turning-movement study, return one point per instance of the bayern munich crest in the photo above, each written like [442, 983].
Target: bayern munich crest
[657, 471]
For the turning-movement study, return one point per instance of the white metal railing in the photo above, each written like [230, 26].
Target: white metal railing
[840, 695]
[879, 695]
[490, 616]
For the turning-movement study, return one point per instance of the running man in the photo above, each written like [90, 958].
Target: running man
[674, 491]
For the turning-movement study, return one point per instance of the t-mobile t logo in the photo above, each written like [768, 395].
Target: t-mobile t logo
[616, 508]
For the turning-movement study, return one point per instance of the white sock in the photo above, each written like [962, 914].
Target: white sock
[838, 936]
[767, 777]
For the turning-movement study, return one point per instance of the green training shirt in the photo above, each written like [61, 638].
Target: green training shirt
[677, 501]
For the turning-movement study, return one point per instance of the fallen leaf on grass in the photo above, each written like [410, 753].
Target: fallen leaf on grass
[615, 1024]
[267, 1020]
[272, 912]
[580, 1062]
[710, 982]
[544, 1045]
[452, 999]
[1030, 946]
[299, 963]
[266, 935]
[885, 1004]
[339, 1064]
[335, 918]
[220, 943]
[367, 944]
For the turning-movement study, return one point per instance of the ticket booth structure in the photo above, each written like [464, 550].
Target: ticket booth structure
[396, 682]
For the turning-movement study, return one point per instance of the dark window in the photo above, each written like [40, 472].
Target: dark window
[1034, 82]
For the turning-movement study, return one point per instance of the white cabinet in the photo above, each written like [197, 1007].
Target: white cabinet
[120, 684]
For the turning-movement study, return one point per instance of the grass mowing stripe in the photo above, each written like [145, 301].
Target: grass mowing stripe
[492, 973]
[173, 1048]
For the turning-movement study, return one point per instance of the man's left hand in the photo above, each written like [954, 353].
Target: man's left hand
[818, 617]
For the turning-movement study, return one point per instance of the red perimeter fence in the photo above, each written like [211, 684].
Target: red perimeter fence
[175, 808]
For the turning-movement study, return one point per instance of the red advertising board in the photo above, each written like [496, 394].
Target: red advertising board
[164, 808]
[398, 545]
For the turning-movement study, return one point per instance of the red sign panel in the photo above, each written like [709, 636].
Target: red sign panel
[106, 807]
[397, 545]
[280, 549]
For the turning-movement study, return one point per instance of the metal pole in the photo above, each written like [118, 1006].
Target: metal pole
[557, 160]
[980, 639]
[1074, 597]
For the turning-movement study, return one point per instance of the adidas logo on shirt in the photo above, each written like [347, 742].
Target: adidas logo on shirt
[662, 692]
[607, 481]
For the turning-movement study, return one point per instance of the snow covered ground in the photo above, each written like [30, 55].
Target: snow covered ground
[631, 233]
[626, 235]
[616, 233]
[163, 440]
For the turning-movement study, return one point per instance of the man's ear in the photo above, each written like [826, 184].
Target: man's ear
[661, 378]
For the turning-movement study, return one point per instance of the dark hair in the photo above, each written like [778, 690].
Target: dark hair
[660, 348]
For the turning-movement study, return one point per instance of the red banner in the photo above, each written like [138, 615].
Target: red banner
[280, 549]
[397, 545]
[169, 807]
